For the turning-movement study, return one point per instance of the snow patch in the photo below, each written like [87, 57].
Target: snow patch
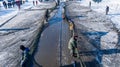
[109, 41]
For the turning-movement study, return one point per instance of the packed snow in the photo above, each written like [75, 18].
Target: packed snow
[114, 11]
[10, 40]
[110, 40]
[20, 30]
[100, 31]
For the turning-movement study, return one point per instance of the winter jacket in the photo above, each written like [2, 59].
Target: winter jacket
[25, 57]
[71, 26]
[72, 44]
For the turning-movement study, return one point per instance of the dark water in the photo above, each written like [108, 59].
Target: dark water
[47, 54]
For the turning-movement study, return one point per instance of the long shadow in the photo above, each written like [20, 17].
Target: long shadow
[106, 51]
[95, 63]
[8, 20]
[13, 29]
[92, 63]
[94, 39]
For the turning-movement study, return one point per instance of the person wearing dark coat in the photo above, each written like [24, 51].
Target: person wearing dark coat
[107, 10]
[25, 56]
[18, 4]
[5, 4]
[33, 3]
[47, 15]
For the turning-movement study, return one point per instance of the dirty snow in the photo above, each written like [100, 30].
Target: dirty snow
[94, 24]
[110, 40]
[10, 40]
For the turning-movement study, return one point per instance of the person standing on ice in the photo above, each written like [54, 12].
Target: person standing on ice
[33, 3]
[5, 4]
[72, 46]
[90, 4]
[71, 28]
[36, 2]
[47, 15]
[107, 10]
[25, 56]
[18, 4]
